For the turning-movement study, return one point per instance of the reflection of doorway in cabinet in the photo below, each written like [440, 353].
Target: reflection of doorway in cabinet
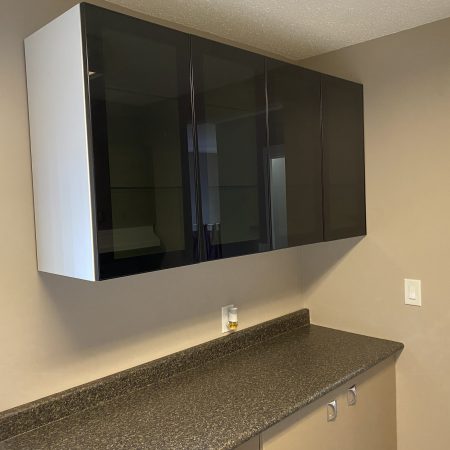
[207, 149]
[278, 197]
[209, 182]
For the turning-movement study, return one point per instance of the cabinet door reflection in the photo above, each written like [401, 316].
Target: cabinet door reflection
[278, 201]
[231, 137]
[295, 154]
[140, 110]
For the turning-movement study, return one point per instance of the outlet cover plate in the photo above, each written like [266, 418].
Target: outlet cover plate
[413, 292]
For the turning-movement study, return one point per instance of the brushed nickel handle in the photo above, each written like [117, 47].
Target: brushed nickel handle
[332, 411]
[351, 396]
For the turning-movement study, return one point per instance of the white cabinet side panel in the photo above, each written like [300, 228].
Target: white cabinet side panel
[59, 148]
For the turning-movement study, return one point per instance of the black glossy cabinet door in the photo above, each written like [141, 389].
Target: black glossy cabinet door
[343, 159]
[139, 89]
[230, 139]
[202, 151]
[294, 154]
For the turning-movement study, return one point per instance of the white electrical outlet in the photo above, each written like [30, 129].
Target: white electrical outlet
[413, 294]
[225, 318]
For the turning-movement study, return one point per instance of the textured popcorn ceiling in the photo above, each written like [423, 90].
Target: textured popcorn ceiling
[295, 29]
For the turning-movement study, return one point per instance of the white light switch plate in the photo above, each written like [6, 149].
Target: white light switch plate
[413, 294]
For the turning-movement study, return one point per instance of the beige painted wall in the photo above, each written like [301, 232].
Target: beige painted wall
[357, 285]
[56, 333]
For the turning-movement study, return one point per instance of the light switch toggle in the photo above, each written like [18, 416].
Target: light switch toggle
[413, 294]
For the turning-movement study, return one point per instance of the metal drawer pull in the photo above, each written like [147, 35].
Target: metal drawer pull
[332, 411]
[351, 396]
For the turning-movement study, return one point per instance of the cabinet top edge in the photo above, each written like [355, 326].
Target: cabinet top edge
[188, 32]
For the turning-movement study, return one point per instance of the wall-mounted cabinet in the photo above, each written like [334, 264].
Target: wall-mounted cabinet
[153, 149]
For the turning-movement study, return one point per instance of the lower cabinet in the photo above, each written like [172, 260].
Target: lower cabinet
[252, 444]
[369, 424]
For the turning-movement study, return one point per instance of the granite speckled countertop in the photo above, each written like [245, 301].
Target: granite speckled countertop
[221, 403]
